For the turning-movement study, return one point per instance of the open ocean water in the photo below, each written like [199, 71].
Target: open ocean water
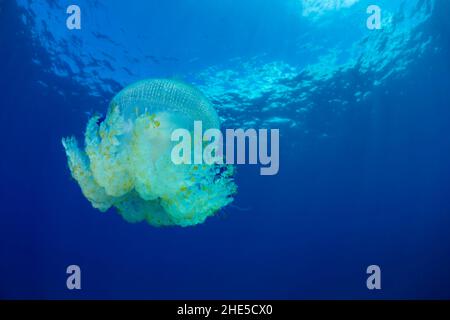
[364, 176]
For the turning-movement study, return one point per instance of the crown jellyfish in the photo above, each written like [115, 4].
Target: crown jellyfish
[127, 162]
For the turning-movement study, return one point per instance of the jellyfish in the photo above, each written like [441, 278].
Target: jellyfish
[126, 162]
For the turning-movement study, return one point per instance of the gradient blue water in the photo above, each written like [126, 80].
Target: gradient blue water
[375, 191]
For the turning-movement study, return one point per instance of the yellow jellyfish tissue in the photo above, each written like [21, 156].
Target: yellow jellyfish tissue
[127, 163]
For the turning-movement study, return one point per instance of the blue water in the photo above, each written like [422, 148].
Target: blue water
[364, 173]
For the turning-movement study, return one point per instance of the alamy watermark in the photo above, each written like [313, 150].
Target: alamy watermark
[73, 281]
[73, 21]
[212, 147]
[374, 280]
[374, 20]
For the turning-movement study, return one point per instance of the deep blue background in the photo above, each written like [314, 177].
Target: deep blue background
[375, 192]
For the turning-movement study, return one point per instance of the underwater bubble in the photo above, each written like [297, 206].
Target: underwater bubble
[126, 162]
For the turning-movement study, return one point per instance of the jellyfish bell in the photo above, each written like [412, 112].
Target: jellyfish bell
[167, 96]
[127, 163]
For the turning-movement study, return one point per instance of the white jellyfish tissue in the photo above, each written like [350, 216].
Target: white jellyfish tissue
[126, 162]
